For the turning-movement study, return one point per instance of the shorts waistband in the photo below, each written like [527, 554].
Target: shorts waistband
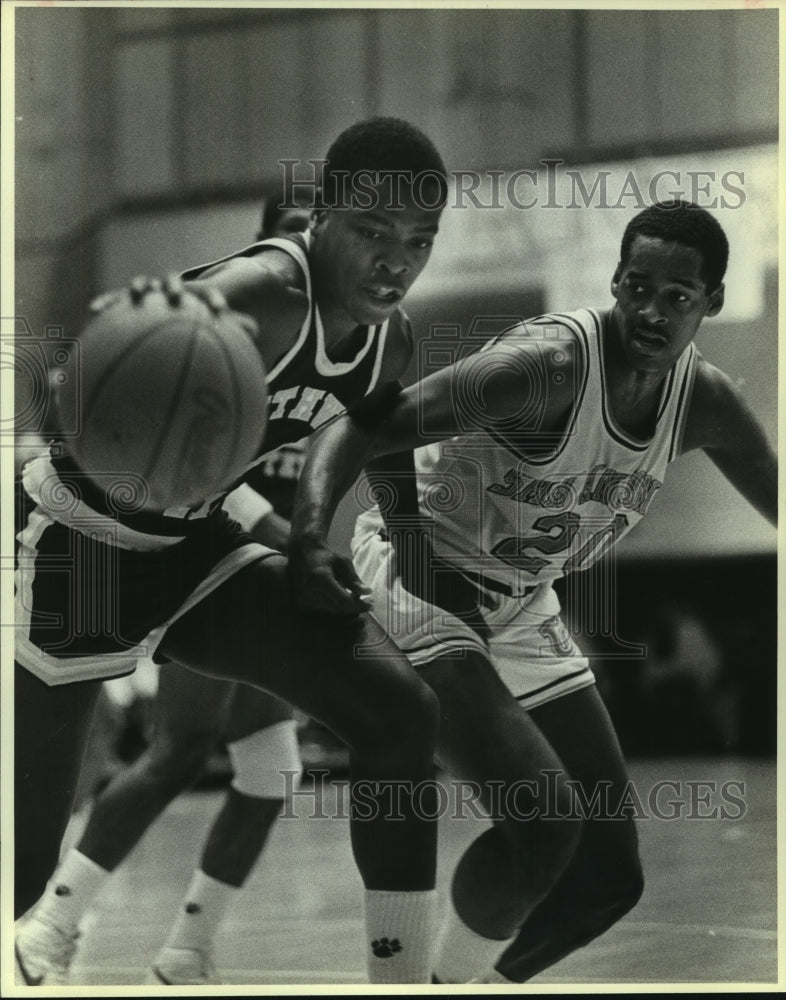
[480, 580]
[497, 586]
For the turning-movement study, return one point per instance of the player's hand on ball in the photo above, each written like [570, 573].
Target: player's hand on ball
[175, 288]
[324, 581]
[135, 293]
[173, 397]
[174, 291]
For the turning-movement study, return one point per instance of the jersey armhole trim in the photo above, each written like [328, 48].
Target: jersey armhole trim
[298, 254]
[382, 335]
[683, 404]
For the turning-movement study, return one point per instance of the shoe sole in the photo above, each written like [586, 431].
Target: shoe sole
[158, 976]
[20, 967]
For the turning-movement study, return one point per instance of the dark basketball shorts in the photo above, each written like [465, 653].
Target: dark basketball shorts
[93, 598]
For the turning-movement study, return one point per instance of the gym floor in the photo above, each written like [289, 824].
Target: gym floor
[708, 914]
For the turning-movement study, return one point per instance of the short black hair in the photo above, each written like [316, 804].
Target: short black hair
[383, 146]
[276, 206]
[683, 222]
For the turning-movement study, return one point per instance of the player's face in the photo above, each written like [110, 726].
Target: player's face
[661, 300]
[367, 260]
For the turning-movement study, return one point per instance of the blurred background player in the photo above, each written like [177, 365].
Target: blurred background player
[546, 490]
[331, 333]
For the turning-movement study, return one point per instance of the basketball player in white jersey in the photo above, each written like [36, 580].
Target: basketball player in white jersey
[541, 452]
[191, 587]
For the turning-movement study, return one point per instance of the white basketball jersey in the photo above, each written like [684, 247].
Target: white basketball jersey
[525, 510]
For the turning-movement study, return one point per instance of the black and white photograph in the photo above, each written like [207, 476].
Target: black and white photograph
[389, 451]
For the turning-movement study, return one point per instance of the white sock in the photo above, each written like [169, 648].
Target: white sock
[464, 956]
[201, 912]
[70, 891]
[400, 935]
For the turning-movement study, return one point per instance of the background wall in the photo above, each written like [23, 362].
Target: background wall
[147, 138]
[123, 110]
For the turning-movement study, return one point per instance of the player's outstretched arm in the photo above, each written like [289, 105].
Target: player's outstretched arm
[475, 392]
[723, 425]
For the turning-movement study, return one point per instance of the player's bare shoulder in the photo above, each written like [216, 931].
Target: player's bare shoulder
[270, 288]
[553, 341]
[716, 405]
[539, 359]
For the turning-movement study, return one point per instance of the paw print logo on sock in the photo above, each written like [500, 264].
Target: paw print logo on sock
[385, 947]
[62, 890]
[193, 908]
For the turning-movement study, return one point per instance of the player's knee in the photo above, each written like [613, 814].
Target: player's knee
[400, 722]
[542, 835]
[423, 708]
[178, 762]
[615, 889]
[563, 838]
[543, 849]
[267, 763]
[626, 887]
[411, 719]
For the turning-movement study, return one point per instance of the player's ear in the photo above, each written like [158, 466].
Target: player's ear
[318, 219]
[716, 301]
[316, 222]
[615, 280]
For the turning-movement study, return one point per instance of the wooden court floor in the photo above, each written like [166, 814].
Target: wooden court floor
[708, 914]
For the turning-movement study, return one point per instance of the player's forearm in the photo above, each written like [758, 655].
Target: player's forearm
[442, 405]
[336, 457]
[393, 483]
[340, 452]
[273, 531]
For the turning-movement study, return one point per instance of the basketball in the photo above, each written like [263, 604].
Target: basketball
[172, 401]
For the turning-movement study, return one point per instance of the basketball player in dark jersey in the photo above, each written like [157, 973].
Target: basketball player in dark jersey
[193, 588]
[542, 451]
[192, 713]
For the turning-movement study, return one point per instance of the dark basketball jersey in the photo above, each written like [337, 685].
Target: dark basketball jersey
[276, 476]
[306, 389]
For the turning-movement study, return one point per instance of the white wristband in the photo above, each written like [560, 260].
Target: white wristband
[247, 506]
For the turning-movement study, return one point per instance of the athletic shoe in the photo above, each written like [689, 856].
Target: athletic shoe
[184, 967]
[43, 953]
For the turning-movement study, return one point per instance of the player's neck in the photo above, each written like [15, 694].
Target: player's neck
[633, 394]
[343, 335]
[623, 379]
[632, 385]
[337, 325]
